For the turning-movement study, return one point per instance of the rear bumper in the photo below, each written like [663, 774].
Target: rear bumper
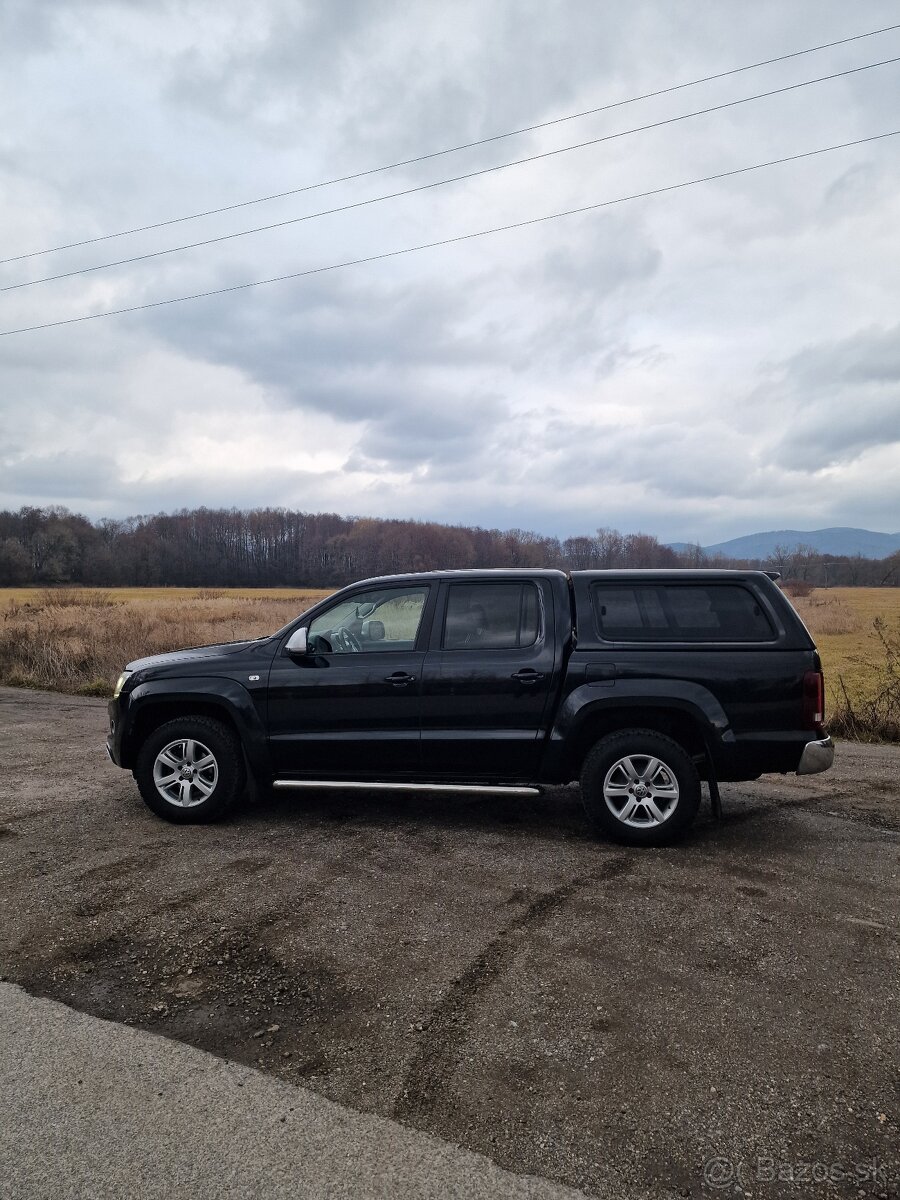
[816, 757]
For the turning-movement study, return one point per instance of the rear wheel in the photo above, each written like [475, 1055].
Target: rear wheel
[640, 787]
[190, 770]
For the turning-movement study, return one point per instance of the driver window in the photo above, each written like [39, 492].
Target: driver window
[385, 619]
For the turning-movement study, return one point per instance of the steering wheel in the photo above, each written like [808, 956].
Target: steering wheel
[347, 641]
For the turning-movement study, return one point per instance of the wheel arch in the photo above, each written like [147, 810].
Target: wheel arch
[152, 706]
[158, 712]
[680, 722]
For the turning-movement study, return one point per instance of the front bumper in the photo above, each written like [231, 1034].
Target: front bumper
[112, 751]
[816, 757]
[114, 737]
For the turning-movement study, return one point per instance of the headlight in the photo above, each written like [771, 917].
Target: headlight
[120, 683]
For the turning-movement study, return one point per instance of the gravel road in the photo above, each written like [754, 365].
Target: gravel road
[666, 1022]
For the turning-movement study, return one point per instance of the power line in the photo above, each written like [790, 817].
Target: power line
[424, 187]
[407, 162]
[464, 237]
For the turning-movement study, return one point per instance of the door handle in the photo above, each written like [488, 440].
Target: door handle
[527, 675]
[399, 679]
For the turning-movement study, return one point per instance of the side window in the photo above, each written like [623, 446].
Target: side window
[628, 611]
[494, 616]
[714, 612]
[386, 619]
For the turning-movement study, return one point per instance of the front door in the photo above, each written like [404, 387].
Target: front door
[349, 707]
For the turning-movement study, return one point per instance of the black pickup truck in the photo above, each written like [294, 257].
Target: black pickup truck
[637, 683]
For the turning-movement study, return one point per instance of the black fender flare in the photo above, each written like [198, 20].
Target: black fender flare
[585, 703]
[207, 693]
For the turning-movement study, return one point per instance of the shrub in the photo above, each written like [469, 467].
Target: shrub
[875, 715]
[797, 587]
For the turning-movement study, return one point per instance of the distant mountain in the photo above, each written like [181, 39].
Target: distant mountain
[837, 541]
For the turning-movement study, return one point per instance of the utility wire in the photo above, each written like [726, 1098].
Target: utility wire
[464, 237]
[407, 162]
[424, 187]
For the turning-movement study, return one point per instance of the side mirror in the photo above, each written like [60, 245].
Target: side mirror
[296, 643]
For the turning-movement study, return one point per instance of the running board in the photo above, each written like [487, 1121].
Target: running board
[377, 786]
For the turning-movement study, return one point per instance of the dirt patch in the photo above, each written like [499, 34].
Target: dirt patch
[482, 968]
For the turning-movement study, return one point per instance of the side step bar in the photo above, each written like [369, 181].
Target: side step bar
[377, 786]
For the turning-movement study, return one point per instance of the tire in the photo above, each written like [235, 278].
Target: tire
[212, 753]
[640, 788]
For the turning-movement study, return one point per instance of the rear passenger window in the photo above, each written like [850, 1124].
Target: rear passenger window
[679, 613]
[493, 616]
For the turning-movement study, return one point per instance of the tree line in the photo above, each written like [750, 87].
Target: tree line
[277, 547]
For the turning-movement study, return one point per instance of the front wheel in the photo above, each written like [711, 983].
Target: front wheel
[190, 770]
[640, 787]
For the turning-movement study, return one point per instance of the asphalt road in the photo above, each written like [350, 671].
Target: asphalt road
[629, 1023]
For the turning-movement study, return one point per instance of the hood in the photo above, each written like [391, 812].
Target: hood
[220, 649]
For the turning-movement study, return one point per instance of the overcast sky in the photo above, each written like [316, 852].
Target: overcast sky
[697, 365]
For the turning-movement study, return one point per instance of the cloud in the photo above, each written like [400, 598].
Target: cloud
[67, 477]
[698, 365]
[839, 400]
[331, 327]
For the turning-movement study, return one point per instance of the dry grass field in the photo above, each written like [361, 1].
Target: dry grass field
[39, 595]
[76, 640]
[857, 631]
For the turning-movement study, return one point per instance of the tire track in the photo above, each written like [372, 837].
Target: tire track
[448, 1024]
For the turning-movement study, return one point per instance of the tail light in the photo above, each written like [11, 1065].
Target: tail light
[813, 700]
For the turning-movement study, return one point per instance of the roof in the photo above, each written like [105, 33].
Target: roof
[701, 574]
[516, 573]
[464, 575]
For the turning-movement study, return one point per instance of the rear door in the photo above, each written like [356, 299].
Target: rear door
[488, 677]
